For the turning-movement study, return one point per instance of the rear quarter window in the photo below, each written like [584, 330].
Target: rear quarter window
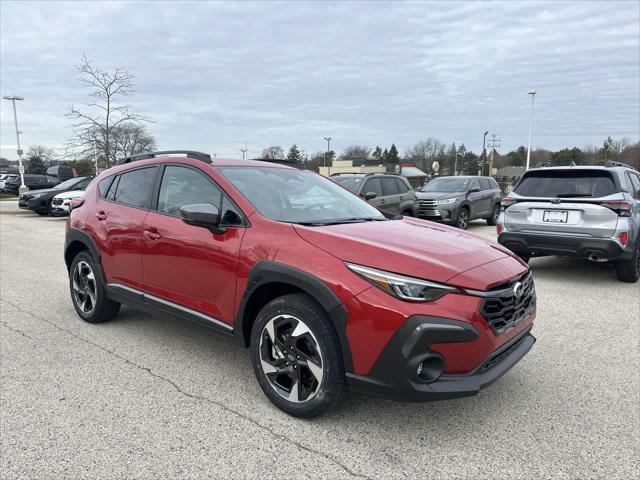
[567, 184]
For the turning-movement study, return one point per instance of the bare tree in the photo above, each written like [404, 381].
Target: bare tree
[274, 152]
[131, 139]
[356, 151]
[94, 126]
[425, 152]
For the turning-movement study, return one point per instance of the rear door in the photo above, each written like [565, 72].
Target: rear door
[119, 218]
[564, 202]
[476, 202]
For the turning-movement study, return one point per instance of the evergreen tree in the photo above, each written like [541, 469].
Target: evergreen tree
[385, 156]
[294, 154]
[36, 166]
[393, 155]
[377, 154]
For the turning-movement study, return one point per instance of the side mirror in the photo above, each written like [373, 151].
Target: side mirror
[370, 195]
[474, 190]
[202, 215]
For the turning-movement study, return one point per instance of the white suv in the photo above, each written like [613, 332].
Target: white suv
[587, 212]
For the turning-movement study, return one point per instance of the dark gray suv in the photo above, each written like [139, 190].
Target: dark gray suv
[385, 191]
[458, 200]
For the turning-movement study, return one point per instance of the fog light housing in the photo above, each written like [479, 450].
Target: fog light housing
[426, 368]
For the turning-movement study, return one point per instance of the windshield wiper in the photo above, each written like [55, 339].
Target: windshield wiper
[569, 195]
[341, 221]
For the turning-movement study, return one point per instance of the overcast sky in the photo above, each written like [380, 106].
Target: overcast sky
[214, 75]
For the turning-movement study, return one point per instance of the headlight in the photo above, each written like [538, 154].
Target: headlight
[34, 195]
[405, 288]
[448, 201]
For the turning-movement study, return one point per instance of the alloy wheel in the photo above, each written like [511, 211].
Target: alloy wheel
[463, 219]
[496, 214]
[84, 287]
[291, 359]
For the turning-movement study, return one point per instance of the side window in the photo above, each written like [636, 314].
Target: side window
[474, 184]
[373, 185]
[112, 190]
[185, 186]
[494, 184]
[103, 186]
[484, 182]
[389, 186]
[135, 186]
[402, 187]
[635, 183]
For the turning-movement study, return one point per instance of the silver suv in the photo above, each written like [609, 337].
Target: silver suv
[586, 212]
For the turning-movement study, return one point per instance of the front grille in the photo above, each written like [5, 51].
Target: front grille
[506, 309]
[428, 208]
[56, 201]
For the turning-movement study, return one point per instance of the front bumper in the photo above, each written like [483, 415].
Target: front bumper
[395, 374]
[542, 245]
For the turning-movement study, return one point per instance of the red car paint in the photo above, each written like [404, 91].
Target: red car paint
[195, 268]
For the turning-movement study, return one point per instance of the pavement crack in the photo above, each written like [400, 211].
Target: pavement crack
[8, 327]
[181, 391]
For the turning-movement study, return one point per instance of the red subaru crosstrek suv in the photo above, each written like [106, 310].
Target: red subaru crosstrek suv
[324, 289]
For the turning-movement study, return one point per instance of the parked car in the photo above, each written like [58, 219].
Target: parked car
[31, 181]
[459, 200]
[5, 177]
[40, 200]
[61, 203]
[61, 172]
[389, 192]
[324, 294]
[585, 212]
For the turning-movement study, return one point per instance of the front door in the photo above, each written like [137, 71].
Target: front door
[187, 265]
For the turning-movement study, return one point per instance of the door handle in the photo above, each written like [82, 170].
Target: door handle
[101, 215]
[151, 235]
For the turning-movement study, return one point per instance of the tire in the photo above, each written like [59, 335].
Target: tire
[495, 214]
[407, 213]
[294, 331]
[525, 257]
[629, 270]
[462, 221]
[88, 293]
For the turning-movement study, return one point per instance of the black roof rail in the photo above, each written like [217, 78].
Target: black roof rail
[611, 163]
[203, 157]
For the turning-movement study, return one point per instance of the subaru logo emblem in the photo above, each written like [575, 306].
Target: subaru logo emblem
[518, 289]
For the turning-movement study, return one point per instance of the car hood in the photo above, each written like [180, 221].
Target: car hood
[437, 195]
[44, 190]
[71, 194]
[413, 247]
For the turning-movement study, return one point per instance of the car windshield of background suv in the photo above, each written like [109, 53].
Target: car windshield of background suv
[350, 183]
[296, 196]
[446, 185]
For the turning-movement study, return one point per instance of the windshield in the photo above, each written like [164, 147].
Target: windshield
[567, 184]
[68, 183]
[297, 196]
[350, 183]
[448, 184]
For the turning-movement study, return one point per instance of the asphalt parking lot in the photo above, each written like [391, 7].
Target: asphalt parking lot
[149, 397]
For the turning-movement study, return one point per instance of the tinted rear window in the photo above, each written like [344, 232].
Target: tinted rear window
[567, 184]
[134, 187]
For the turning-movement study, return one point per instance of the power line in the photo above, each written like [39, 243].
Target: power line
[493, 144]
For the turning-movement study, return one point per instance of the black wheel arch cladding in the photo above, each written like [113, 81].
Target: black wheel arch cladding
[266, 272]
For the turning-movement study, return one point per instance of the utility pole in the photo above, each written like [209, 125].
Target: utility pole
[13, 99]
[484, 150]
[455, 162]
[494, 143]
[328, 139]
[244, 151]
[533, 96]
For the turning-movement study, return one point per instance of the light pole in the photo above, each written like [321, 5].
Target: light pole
[15, 119]
[533, 97]
[328, 139]
[484, 154]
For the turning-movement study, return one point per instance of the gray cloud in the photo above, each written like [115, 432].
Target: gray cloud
[213, 75]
